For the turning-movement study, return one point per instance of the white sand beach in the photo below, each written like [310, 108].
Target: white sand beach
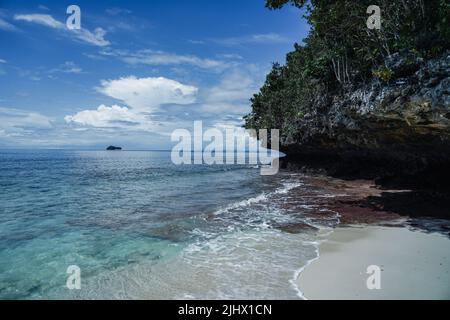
[414, 265]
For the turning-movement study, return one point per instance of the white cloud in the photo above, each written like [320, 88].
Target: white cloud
[227, 102]
[231, 95]
[234, 86]
[42, 7]
[222, 105]
[142, 96]
[147, 94]
[5, 25]
[230, 56]
[161, 58]
[14, 122]
[96, 38]
[110, 117]
[42, 19]
[2, 61]
[219, 108]
[265, 38]
[67, 67]
[268, 38]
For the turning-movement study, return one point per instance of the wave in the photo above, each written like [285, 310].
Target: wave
[241, 252]
[284, 189]
[252, 251]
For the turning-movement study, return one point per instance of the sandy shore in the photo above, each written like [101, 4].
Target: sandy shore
[414, 265]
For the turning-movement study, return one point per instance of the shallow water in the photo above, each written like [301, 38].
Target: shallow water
[140, 227]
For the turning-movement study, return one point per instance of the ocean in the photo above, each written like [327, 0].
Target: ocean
[140, 227]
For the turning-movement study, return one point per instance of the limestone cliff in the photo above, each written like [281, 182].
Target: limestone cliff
[393, 129]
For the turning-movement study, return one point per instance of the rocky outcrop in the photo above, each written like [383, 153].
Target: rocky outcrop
[398, 129]
[113, 148]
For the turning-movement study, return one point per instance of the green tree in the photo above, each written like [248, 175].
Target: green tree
[339, 53]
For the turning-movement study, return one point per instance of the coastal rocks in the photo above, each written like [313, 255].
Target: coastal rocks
[296, 228]
[403, 63]
[383, 130]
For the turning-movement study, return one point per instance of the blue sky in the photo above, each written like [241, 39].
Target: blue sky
[136, 70]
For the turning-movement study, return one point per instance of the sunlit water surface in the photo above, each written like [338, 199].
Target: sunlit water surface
[141, 227]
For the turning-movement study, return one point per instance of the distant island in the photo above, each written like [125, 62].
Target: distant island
[113, 148]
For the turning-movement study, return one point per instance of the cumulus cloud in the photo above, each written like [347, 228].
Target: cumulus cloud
[147, 94]
[142, 97]
[160, 105]
[96, 38]
[110, 117]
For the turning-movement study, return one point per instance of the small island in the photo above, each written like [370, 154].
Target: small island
[112, 148]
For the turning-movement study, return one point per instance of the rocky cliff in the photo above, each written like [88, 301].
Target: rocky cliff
[395, 129]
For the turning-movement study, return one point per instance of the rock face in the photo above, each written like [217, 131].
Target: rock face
[384, 130]
[112, 148]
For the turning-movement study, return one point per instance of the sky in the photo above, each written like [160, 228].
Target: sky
[135, 71]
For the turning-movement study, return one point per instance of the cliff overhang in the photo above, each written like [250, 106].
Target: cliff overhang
[397, 130]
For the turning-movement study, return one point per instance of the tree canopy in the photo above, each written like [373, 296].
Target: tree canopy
[341, 52]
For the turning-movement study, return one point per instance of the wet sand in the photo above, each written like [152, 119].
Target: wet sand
[414, 265]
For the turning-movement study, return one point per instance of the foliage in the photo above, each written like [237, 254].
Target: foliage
[340, 53]
[383, 73]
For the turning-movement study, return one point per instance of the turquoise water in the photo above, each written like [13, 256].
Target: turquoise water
[134, 222]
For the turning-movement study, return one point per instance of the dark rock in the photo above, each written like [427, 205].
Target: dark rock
[296, 228]
[389, 132]
[403, 63]
[112, 148]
